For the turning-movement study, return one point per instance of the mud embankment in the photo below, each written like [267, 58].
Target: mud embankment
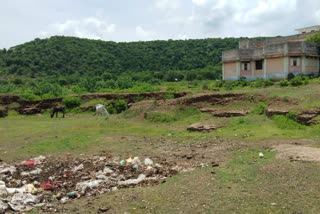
[15, 102]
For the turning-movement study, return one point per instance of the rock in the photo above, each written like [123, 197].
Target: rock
[230, 113]
[201, 127]
[270, 111]
[104, 209]
[214, 164]
[30, 111]
[207, 110]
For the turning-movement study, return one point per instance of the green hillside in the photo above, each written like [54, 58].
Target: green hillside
[60, 55]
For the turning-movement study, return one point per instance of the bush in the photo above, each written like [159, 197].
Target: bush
[297, 81]
[120, 106]
[228, 85]
[284, 83]
[168, 96]
[290, 76]
[220, 84]
[268, 82]
[29, 96]
[259, 109]
[259, 83]
[17, 81]
[71, 102]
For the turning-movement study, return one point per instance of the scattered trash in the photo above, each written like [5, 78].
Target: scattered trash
[30, 163]
[129, 160]
[41, 183]
[30, 188]
[261, 155]
[148, 162]
[47, 186]
[136, 160]
[78, 168]
[140, 178]
[83, 186]
[72, 195]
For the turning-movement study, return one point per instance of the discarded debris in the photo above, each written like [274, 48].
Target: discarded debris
[41, 183]
[148, 162]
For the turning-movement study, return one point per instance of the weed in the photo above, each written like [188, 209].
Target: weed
[259, 109]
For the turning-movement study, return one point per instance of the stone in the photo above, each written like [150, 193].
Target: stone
[230, 113]
[201, 127]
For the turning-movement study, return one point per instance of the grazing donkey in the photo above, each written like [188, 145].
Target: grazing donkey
[101, 110]
[57, 109]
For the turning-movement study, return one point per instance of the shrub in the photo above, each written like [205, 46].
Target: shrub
[17, 81]
[29, 96]
[228, 85]
[284, 83]
[124, 82]
[268, 82]
[290, 76]
[220, 84]
[71, 102]
[259, 109]
[168, 96]
[120, 106]
[259, 83]
[110, 109]
[292, 115]
[205, 87]
[296, 81]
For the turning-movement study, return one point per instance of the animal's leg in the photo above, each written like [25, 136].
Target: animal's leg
[63, 112]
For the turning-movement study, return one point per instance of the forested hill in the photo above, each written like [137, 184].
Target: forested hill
[64, 56]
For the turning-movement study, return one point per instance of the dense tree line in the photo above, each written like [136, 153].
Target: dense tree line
[70, 56]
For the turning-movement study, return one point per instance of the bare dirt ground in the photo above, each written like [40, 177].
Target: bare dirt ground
[294, 152]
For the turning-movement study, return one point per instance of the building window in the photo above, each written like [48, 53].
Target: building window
[294, 61]
[245, 66]
[259, 64]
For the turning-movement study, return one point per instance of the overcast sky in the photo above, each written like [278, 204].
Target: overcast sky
[141, 20]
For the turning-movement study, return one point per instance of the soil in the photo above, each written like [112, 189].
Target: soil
[293, 152]
[36, 107]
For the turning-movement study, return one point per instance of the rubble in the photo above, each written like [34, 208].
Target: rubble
[43, 183]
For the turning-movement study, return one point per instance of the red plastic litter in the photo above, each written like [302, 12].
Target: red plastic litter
[30, 163]
[47, 186]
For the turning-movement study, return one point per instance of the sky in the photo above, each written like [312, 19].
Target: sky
[143, 20]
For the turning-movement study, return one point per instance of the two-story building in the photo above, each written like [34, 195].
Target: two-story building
[273, 58]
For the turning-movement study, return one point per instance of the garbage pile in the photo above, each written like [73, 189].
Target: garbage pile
[42, 182]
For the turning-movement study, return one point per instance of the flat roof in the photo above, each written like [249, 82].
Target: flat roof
[308, 28]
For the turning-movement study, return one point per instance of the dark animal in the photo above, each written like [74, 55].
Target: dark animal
[57, 109]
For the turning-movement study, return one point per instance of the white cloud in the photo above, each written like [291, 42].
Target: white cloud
[92, 28]
[167, 4]
[143, 34]
[199, 2]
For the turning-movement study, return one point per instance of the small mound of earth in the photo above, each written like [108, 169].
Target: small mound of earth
[298, 153]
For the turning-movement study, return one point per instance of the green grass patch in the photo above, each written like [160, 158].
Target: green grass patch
[286, 122]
